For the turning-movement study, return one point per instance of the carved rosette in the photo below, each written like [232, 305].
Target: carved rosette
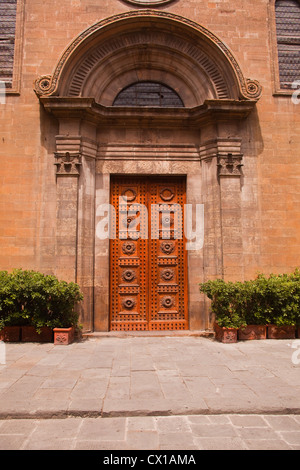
[167, 301]
[128, 248]
[167, 194]
[129, 194]
[67, 164]
[167, 274]
[128, 303]
[128, 275]
[229, 165]
[44, 85]
[167, 247]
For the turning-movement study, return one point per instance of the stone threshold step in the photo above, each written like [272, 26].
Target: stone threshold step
[124, 334]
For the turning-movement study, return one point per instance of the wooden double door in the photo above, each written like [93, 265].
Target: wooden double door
[148, 262]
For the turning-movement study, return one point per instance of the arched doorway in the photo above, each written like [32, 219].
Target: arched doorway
[197, 138]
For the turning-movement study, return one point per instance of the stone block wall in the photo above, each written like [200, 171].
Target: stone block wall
[260, 208]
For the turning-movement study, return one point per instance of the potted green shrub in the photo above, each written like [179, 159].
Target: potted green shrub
[251, 310]
[64, 299]
[13, 312]
[35, 304]
[285, 293]
[227, 319]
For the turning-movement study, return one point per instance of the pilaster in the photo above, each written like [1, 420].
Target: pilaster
[75, 179]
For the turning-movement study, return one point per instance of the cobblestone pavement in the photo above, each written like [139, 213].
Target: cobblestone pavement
[137, 393]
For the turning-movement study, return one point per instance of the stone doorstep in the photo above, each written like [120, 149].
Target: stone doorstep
[124, 334]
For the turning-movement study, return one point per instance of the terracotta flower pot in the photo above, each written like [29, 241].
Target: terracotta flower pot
[252, 332]
[64, 335]
[281, 332]
[10, 334]
[225, 335]
[30, 335]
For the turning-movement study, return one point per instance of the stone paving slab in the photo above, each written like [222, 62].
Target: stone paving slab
[135, 376]
[139, 393]
[193, 433]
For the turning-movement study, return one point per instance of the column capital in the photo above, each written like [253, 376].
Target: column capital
[67, 163]
[229, 164]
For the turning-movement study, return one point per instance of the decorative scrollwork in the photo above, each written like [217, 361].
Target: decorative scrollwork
[43, 85]
[253, 88]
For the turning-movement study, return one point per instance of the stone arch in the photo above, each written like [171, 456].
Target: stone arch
[148, 45]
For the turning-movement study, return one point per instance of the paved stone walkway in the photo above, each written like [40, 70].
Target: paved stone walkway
[193, 432]
[149, 392]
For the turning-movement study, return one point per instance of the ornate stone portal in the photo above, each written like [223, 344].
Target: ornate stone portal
[204, 141]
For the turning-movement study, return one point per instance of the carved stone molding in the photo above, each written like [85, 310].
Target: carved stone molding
[67, 164]
[229, 165]
[148, 3]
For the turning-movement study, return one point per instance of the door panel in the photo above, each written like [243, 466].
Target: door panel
[148, 285]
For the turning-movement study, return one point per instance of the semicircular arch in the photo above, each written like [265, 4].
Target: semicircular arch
[148, 45]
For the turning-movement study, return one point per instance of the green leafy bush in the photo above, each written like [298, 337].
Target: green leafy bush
[273, 299]
[33, 298]
[224, 297]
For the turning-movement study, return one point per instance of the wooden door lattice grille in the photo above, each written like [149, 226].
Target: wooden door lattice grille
[148, 288]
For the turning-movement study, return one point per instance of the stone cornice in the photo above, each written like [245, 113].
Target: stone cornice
[90, 111]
